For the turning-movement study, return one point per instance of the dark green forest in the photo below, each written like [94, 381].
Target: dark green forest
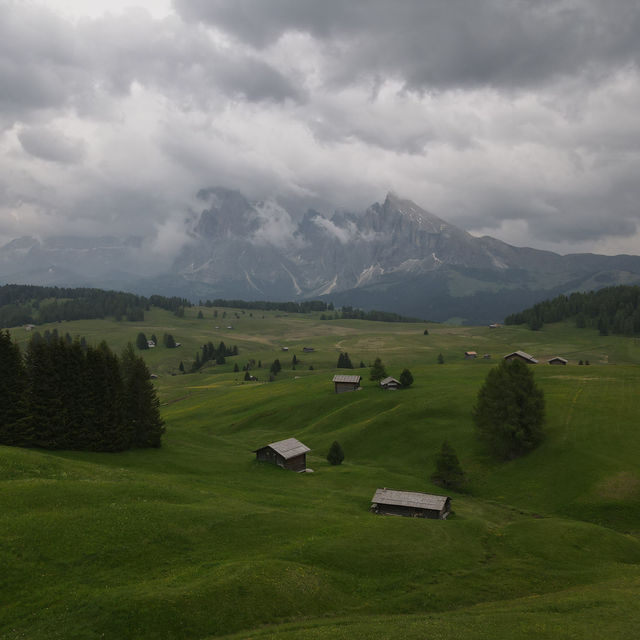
[30, 304]
[610, 310]
[61, 395]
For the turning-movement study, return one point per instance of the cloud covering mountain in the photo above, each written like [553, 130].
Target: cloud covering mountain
[516, 119]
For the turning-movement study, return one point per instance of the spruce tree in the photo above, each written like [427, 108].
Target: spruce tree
[509, 412]
[140, 402]
[336, 454]
[440, 359]
[406, 379]
[141, 341]
[13, 409]
[448, 473]
[378, 371]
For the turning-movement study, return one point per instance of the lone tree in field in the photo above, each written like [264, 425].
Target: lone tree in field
[440, 359]
[448, 473]
[406, 379]
[141, 341]
[509, 413]
[336, 454]
[377, 370]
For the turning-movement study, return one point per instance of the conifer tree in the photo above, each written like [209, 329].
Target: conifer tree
[276, 367]
[336, 454]
[440, 359]
[141, 341]
[378, 371]
[13, 410]
[247, 376]
[509, 412]
[448, 473]
[140, 402]
[406, 379]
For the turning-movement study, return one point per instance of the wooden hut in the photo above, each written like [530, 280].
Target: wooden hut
[470, 355]
[411, 504]
[558, 360]
[521, 355]
[390, 383]
[289, 454]
[346, 383]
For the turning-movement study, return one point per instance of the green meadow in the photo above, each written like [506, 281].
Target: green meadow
[198, 540]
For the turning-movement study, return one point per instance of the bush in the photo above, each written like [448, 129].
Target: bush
[336, 454]
[509, 413]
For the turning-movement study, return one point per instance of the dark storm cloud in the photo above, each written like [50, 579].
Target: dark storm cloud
[49, 63]
[443, 43]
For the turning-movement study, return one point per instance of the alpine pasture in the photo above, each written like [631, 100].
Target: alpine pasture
[198, 540]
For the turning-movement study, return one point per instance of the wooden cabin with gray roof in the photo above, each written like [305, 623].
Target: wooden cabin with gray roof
[390, 502]
[289, 454]
[521, 355]
[345, 383]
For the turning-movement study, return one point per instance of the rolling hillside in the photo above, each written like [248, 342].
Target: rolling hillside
[197, 540]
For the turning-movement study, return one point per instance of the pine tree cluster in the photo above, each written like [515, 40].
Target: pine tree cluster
[610, 310]
[21, 304]
[64, 396]
[211, 352]
[344, 362]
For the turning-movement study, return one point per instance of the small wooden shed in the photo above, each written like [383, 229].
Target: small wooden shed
[470, 355]
[345, 383]
[558, 360]
[412, 504]
[289, 454]
[521, 355]
[390, 383]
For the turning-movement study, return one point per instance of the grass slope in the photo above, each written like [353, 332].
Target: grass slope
[197, 540]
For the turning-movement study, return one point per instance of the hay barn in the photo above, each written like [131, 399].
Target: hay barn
[412, 504]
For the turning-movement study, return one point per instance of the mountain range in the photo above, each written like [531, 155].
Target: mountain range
[394, 256]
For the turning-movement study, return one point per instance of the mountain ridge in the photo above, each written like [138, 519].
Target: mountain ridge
[393, 256]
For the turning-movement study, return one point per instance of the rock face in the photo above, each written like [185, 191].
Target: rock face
[394, 256]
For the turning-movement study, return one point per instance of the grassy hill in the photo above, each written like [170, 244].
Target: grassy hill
[197, 540]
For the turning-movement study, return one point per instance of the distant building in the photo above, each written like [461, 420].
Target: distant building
[284, 348]
[289, 454]
[29, 327]
[390, 383]
[558, 360]
[470, 355]
[494, 326]
[521, 355]
[346, 383]
[487, 356]
[308, 349]
[410, 503]
[151, 344]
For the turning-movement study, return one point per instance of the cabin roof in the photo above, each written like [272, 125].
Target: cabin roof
[558, 358]
[289, 448]
[409, 499]
[388, 380]
[343, 378]
[524, 355]
[471, 353]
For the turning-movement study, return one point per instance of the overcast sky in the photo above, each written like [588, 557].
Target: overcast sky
[518, 119]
